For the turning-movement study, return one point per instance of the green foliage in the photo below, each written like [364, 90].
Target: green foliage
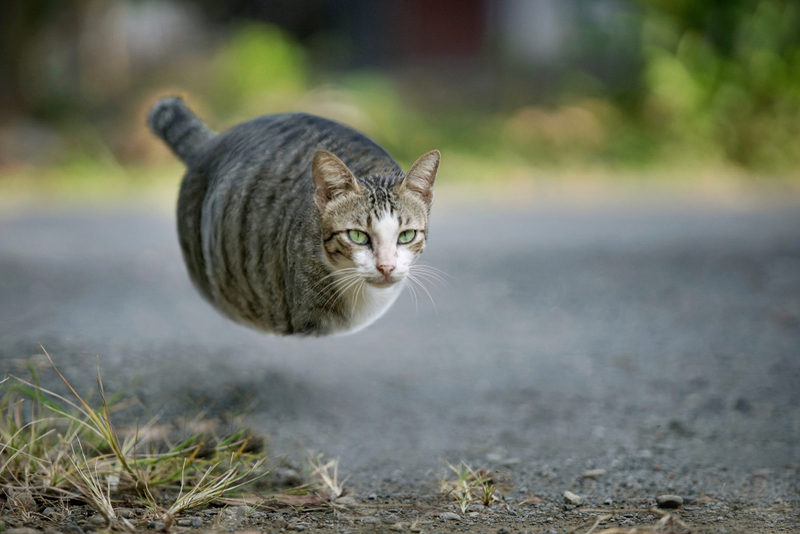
[724, 77]
[470, 486]
[259, 63]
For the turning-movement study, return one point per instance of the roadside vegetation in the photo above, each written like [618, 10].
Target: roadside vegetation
[60, 450]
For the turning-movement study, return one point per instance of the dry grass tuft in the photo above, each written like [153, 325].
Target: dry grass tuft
[328, 474]
[54, 448]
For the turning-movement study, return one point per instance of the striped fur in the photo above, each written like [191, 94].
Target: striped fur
[264, 215]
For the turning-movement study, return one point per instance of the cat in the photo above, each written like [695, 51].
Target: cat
[294, 224]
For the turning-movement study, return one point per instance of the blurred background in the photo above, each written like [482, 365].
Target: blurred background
[512, 91]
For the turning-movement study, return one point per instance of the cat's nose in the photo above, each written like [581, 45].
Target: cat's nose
[386, 270]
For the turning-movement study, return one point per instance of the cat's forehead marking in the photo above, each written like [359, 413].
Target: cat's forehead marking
[386, 227]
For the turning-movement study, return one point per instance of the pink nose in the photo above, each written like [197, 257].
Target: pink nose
[386, 270]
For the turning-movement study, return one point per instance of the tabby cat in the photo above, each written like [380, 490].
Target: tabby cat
[295, 224]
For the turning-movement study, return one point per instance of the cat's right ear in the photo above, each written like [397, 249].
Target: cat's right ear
[421, 175]
[331, 178]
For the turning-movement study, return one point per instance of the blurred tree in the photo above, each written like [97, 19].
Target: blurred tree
[20, 23]
[726, 73]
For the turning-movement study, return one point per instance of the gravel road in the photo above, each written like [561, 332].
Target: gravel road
[660, 345]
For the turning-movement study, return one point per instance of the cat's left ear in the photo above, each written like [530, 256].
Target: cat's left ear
[422, 174]
[331, 178]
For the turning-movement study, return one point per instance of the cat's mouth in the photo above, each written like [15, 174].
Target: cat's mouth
[383, 281]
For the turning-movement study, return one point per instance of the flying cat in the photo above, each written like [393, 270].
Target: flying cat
[295, 224]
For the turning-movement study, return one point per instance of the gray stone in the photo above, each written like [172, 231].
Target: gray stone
[452, 516]
[22, 499]
[98, 520]
[22, 530]
[125, 513]
[197, 522]
[571, 498]
[594, 473]
[669, 501]
[71, 528]
[183, 522]
[370, 520]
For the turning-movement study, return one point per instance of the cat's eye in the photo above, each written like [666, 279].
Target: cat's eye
[407, 237]
[358, 237]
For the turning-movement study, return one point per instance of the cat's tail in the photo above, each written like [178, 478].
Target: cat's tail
[184, 133]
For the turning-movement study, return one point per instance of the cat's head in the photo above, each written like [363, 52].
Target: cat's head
[375, 227]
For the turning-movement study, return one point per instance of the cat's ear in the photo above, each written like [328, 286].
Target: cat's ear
[422, 174]
[331, 178]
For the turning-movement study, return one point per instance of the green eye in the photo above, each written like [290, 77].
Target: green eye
[407, 236]
[358, 237]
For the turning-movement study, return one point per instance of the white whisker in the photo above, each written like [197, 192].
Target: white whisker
[432, 269]
[425, 289]
[413, 294]
[343, 285]
[431, 278]
[431, 273]
[344, 271]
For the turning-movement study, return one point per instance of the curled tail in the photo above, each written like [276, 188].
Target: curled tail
[184, 133]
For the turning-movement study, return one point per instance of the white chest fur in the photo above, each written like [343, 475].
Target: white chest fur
[368, 303]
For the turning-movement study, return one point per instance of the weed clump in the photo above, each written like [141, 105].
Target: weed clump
[55, 449]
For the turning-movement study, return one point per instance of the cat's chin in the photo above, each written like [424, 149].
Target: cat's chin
[382, 282]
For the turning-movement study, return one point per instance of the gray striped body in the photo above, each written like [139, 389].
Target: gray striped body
[251, 235]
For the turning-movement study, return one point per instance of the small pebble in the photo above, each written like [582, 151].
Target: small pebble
[22, 499]
[669, 501]
[49, 512]
[571, 498]
[70, 528]
[494, 457]
[184, 522]
[503, 530]
[370, 520]
[155, 525]
[196, 522]
[451, 516]
[594, 473]
[125, 513]
[98, 520]
[21, 530]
